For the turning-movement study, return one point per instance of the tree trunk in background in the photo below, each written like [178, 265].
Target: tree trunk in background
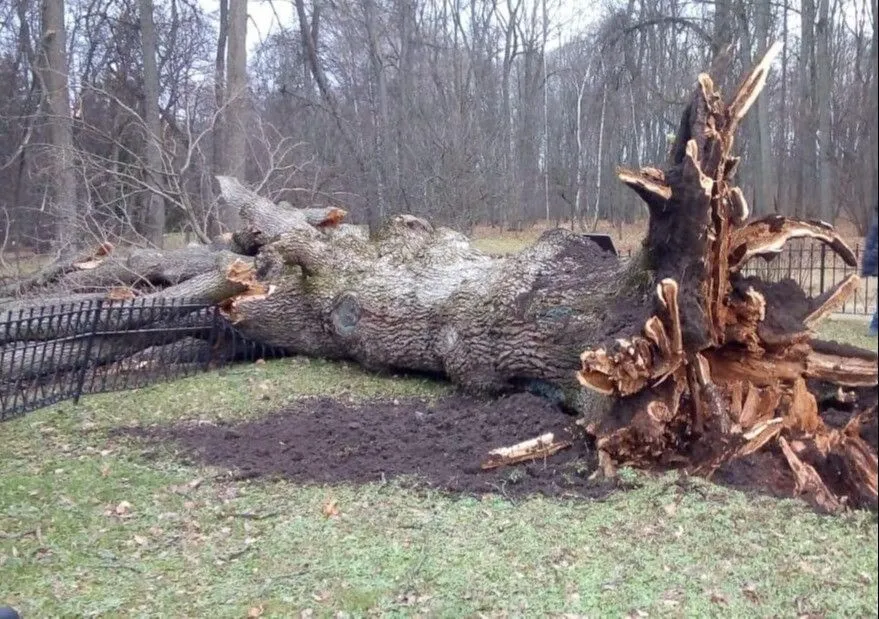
[511, 42]
[871, 162]
[578, 196]
[596, 210]
[784, 191]
[764, 177]
[155, 204]
[54, 74]
[545, 114]
[218, 162]
[380, 121]
[827, 207]
[724, 26]
[234, 129]
[806, 130]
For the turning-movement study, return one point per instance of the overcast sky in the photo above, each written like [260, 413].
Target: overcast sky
[264, 17]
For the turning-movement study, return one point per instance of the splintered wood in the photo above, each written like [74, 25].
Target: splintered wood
[719, 372]
[541, 447]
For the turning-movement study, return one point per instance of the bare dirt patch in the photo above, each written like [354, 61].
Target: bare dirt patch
[440, 444]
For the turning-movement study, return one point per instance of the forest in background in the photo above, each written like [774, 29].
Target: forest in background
[116, 115]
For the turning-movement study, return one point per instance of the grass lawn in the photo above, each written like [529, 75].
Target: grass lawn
[92, 524]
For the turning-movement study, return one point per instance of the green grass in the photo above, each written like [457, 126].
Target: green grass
[851, 330]
[92, 524]
[502, 244]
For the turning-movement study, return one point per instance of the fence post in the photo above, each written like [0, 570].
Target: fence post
[80, 381]
[823, 265]
[213, 337]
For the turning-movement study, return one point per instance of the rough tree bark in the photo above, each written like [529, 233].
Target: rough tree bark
[154, 203]
[53, 71]
[690, 362]
[235, 116]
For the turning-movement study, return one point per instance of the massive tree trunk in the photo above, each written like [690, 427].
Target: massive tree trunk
[689, 362]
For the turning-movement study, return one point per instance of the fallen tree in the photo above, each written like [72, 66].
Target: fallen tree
[689, 362]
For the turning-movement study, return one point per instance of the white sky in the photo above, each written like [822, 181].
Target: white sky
[569, 16]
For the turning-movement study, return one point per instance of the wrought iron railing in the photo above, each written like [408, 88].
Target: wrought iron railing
[60, 352]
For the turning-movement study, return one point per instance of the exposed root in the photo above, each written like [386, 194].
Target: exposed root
[808, 481]
[832, 300]
[769, 235]
[719, 372]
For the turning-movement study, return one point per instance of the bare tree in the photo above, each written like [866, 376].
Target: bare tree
[155, 203]
[764, 178]
[54, 78]
[823, 77]
[234, 130]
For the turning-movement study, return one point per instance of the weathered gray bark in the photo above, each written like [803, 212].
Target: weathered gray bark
[421, 298]
[155, 203]
[53, 70]
[415, 298]
[235, 116]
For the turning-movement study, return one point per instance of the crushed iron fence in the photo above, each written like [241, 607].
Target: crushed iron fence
[60, 352]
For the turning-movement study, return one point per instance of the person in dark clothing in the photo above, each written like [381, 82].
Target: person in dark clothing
[870, 267]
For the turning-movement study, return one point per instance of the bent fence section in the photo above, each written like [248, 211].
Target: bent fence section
[60, 352]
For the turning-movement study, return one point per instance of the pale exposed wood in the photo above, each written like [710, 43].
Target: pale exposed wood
[769, 235]
[759, 436]
[799, 410]
[753, 85]
[833, 300]
[649, 183]
[738, 206]
[540, 447]
[845, 371]
[808, 481]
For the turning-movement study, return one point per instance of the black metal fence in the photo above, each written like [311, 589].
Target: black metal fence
[816, 269]
[60, 352]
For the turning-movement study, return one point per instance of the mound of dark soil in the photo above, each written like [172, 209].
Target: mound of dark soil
[442, 444]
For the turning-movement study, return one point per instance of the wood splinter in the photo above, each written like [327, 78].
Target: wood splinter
[542, 446]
